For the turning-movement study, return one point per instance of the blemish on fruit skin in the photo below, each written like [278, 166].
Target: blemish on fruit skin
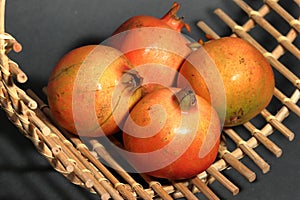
[237, 116]
[234, 119]
[242, 60]
[64, 71]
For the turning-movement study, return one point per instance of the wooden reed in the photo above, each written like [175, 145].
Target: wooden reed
[263, 139]
[84, 150]
[287, 101]
[17, 72]
[255, 15]
[264, 10]
[257, 159]
[277, 124]
[157, 187]
[207, 30]
[239, 166]
[184, 190]
[26, 99]
[284, 14]
[207, 192]
[239, 30]
[101, 151]
[72, 152]
[223, 180]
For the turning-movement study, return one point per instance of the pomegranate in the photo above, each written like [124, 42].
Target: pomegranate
[172, 133]
[169, 20]
[81, 87]
[246, 74]
[148, 40]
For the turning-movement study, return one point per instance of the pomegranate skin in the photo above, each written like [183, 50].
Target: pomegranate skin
[63, 82]
[246, 74]
[169, 20]
[148, 40]
[184, 163]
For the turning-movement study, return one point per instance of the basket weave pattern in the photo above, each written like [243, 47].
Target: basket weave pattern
[79, 163]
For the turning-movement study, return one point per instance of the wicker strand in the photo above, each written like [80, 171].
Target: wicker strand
[250, 23]
[86, 168]
[284, 14]
[278, 125]
[207, 29]
[287, 102]
[39, 123]
[118, 185]
[271, 146]
[263, 165]
[101, 151]
[223, 180]
[255, 15]
[157, 187]
[274, 62]
[26, 99]
[23, 113]
[207, 192]
[279, 50]
[47, 152]
[184, 190]
[12, 94]
[23, 117]
[79, 169]
[17, 72]
[281, 114]
[2, 17]
[239, 166]
[11, 43]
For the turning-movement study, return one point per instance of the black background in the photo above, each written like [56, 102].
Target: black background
[48, 29]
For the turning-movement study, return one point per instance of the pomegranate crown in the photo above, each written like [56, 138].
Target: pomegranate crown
[175, 22]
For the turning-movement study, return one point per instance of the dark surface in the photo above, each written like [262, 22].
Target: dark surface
[48, 29]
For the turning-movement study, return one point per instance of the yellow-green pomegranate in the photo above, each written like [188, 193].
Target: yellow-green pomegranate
[246, 74]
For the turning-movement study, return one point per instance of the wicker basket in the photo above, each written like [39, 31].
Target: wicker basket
[78, 162]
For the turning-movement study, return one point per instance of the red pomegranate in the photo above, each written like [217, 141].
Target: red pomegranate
[150, 42]
[172, 133]
[169, 20]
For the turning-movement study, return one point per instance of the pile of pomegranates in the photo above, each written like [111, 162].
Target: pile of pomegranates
[168, 101]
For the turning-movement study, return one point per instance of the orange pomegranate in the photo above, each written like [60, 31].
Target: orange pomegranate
[169, 20]
[172, 133]
[81, 87]
[246, 74]
[146, 40]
